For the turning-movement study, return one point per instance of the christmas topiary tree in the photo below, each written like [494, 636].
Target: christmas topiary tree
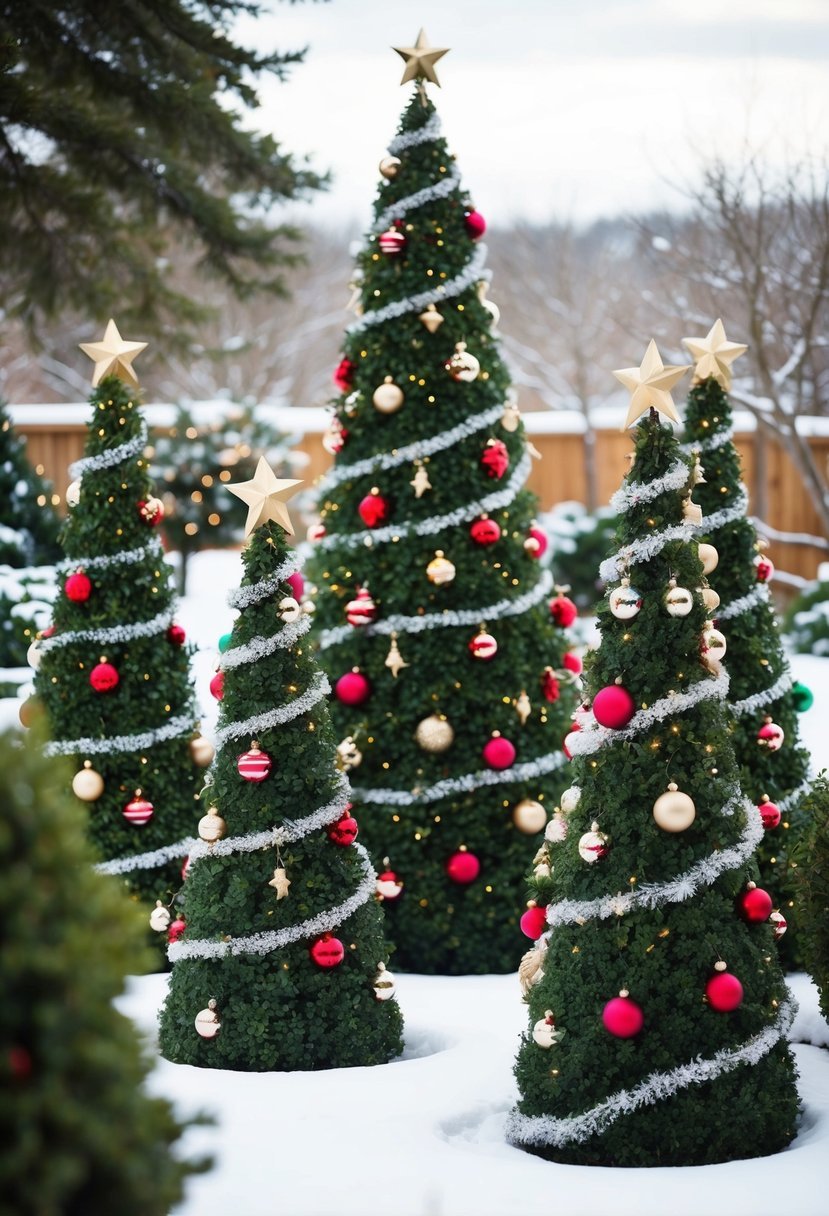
[657, 1004]
[80, 1135]
[812, 891]
[436, 622]
[762, 696]
[282, 965]
[113, 672]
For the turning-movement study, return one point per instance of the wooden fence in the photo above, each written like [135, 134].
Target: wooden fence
[558, 476]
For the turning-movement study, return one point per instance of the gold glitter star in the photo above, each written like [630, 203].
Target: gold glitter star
[650, 385]
[420, 60]
[265, 495]
[714, 355]
[420, 483]
[280, 882]
[113, 356]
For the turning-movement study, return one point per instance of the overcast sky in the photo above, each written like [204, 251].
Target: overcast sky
[554, 108]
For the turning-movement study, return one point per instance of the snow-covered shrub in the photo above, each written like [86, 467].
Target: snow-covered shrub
[806, 623]
[26, 598]
[579, 542]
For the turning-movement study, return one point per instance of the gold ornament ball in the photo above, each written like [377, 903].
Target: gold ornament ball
[709, 557]
[212, 826]
[29, 711]
[674, 811]
[383, 983]
[207, 1021]
[87, 784]
[529, 816]
[202, 751]
[434, 734]
[73, 493]
[714, 642]
[389, 167]
[710, 599]
[387, 397]
[440, 570]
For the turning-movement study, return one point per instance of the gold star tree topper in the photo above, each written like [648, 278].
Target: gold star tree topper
[650, 384]
[421, 59]
[113, 356]
[714, 355]
[266, 495]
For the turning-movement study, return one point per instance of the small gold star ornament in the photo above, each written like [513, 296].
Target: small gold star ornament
[113, 356]
[420, 483]
[280, 882]
[650, 385]
[714, 355]
[266, 495]
[420, 60]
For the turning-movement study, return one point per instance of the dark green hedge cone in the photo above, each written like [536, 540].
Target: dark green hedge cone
[282, 965]
[80, 1135]
[761, 694]
[114, 674]
[429, 580]
[812, 891]
[640, 1050]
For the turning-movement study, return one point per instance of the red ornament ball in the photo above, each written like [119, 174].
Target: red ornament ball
[499, 753]
[104, 677]
[622, 1017]
[374, 509]
[217, 685]
[536, 543]
[176, 929]
[613, 707]
[344, 374]
[755, 905]
[254, 765]
[176, 635]
[550, 688]
[353, 688]
[724, 992]
[362, 610]
[563, 610]
[475, 224]
[392, 242]
[139, 810]
[463, 867]
[771, 736]
[770, 813]
[151, 511]
[327, 951]
[764, 569]
[495, 458]
[534, 922]
[297, 584]
[344, 831]
[485, 531]
[78, 587]
[572, 662]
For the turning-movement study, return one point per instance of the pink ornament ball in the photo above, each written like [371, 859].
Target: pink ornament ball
[724, 992]
[563, 611]
[327, 951]
[176, 929]
[463, 867]
[475, 224]
[297, 584]
[217, 685]
[533, 923]
[539, 544]
[78, 587]
[770, 813]
[755, 905]
[353, 688]
[572, 662]
[622, 1017]
[104, 677]
[613, 707]
[499, 753]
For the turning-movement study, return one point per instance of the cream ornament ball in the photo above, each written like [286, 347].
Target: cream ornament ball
[556, 829]
[207, 1022]
[389, 167]
[709, 598]
[434, 734]
[440, 570]
[387, 397]
[678, 600]
[288, 610]
[483, 645]
[160, 917]
[593, 844]
[529, 816]
[87, 784]
[709, 557]
[569, 800]
[383, 983]
[461, 365]
[544, 1031]
[33, 654]
[713, 643]
[73, 493]
[202, 751]
[625, 601]
[212, 826]
[674, 811]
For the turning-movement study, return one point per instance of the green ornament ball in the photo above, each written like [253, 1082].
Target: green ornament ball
[802, 697]
[224, 641]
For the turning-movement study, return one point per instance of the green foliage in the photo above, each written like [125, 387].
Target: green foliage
[195, 462]
[278, 1009]
[26, 597]
[807, 620]
[755, 658]
[663, 956]
[579, 541]
[149, 126]
[439, 926]
[80, 1135]
[812, 891]
[154, 686]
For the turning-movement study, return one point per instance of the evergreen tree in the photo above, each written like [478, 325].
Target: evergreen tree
[452, 686]
[762, 696]
[29, 531]
[113, 675]
[80, 1136]
[812, 896]
[282, 965]
[658, 1010]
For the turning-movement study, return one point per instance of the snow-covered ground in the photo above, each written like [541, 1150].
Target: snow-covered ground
[423, 1136]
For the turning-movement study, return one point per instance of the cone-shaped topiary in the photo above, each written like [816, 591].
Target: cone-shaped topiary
[812, 892]
[282, 965]
[80, 1135]
[658, 1011]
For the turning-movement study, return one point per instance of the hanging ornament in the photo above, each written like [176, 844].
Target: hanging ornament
[544, 1031]
[29, 711]
[389, 888]
[485, 531]
[431, 319]
[697, 472]
[567, 744]
[463, 867]
[522, 706]
[440, 570]
[343, 831]
[622, 1017]
[202, 751]
[724, 990]
[713, 643]
[138, 810]
[556, 830]
[474, 223]
[570, 799]
[224, 642]
[389, 167]
[335, 436]
[531, 967]
[709, 598]
[207, 1021]
[78, 587]
[374, 508]
[771, 736]
[394, 659]
[483, 645]
[529, 816]
[327, 951]
[33, 654]
[434, 734]
[297, 584]
[678, 600]
[176, 930]
[674, 811]
[802, 697]
[778, 922]
[755, 904]
[151, 511]
[562, 609]
[593, 845]
[770, 813]
[104, 677]
[392, 242]
[573, 663]
[211, 826]
[511, 417]
[764, 569]
[709, 557]
[280, 882]
[550, 687]
[87, 784]
[625, 601]
[362, 610]
[383, 983]
[314, 533]
[613, 707]
[217, 685]
[535, 542]
[176, 635]
[160, 917]
[420, 483]
[73, 493]
[349, 755]
[288, 610]
[254, 765]
[344, 374]
[490, 307]
[353, 688]
[691, 512]
[533, 922]
[495, 458]
[387, 397]
[498, 753]
[462, 366]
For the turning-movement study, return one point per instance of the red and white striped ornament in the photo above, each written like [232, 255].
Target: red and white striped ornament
[139, 810]
[254, 765]
[483, 645]
[392, 242]
[362, 610]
